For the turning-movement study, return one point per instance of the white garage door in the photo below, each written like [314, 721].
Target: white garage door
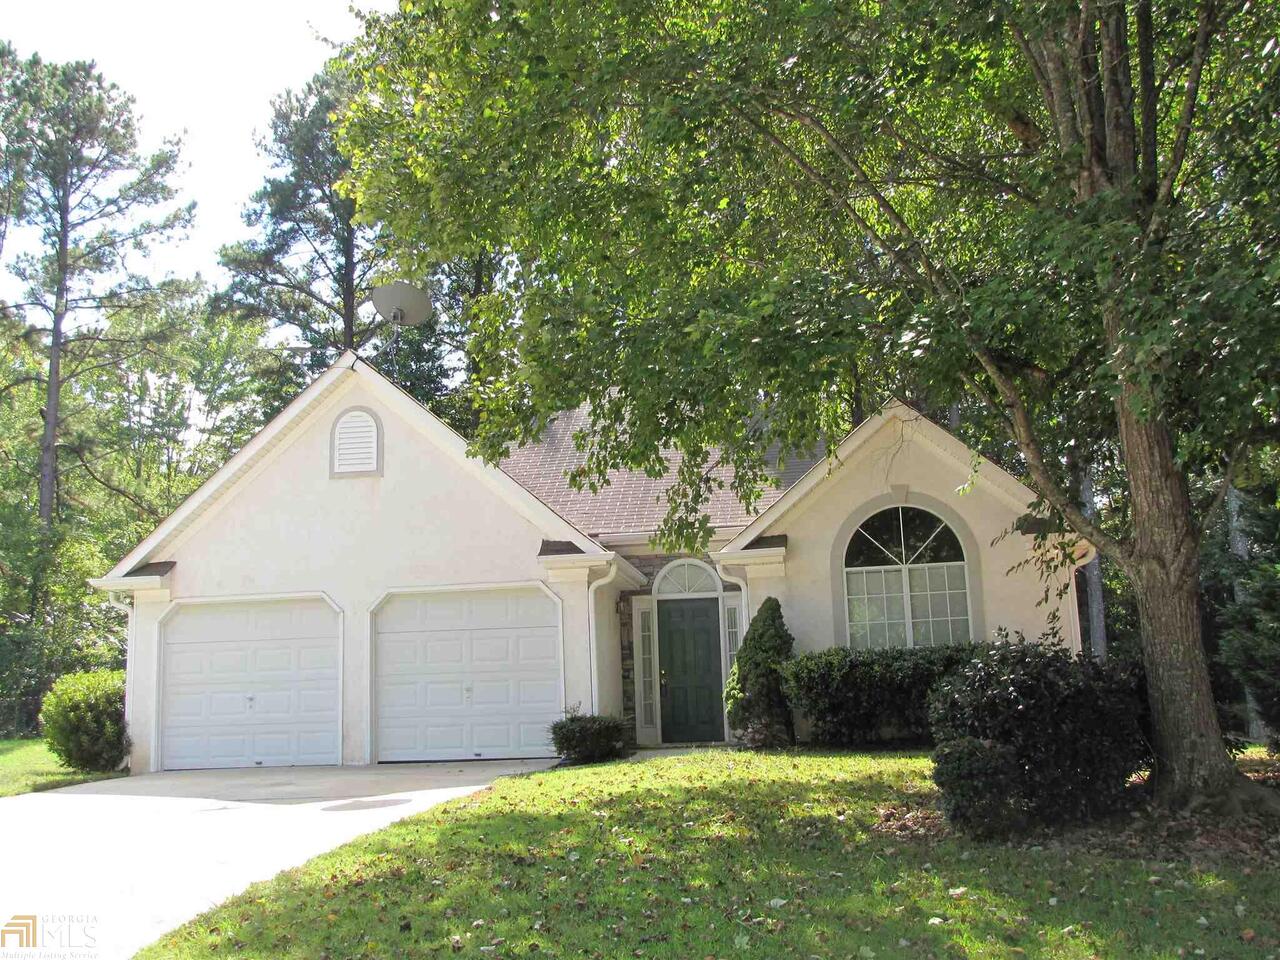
[467, 674]
[250, 684]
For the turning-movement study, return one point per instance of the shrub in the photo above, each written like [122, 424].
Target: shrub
[589, 738]
[1070, 726]
[855, 697]
[758, 711]
[83, 720]
[1251, 645]
[978, 780]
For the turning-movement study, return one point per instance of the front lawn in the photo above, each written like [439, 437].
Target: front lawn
[27, 765]
[730, 855]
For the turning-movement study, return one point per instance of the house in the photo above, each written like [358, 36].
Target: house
[352, 588]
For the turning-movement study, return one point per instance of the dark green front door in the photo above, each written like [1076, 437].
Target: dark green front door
[689, 658]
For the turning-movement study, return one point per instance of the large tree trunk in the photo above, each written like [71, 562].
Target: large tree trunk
[1191, 761]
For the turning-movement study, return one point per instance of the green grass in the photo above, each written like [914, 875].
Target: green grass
[27, 765]
[726, 855]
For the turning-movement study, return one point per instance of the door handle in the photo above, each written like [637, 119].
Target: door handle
[662, 679]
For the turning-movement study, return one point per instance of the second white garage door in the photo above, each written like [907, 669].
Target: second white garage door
[469, 674]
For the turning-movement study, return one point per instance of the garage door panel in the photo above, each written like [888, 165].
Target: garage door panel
[538, 647]
[441, 696]
[250, 684]
[485, 675]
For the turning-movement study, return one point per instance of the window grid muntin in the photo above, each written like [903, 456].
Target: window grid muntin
[731, 630]
[938, 594]
[687, 577]
[648, 713]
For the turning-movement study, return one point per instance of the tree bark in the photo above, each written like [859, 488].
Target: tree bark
[1192, 762]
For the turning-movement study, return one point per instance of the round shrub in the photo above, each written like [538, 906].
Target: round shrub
[979, 781]
[857, 697]
[1069, 727]
[757, 707]
[83, 720]
[589, 738]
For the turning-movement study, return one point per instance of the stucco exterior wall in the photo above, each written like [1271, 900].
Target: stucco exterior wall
[899, 464]
[289, 527]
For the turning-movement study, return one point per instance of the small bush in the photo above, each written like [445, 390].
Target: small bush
[978, 780]
[83, 720]
[759, 714]
[589, 738]
[1251, 645]
[857, 697]
[1070, 726]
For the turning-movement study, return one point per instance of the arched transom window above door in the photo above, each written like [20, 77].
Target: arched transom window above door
[906, 584]
[686, 577]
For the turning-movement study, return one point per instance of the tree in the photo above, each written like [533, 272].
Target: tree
[709, 210]
[313, 265]
[88, 192]
[757, 707]
[15, 136]
[315, 262]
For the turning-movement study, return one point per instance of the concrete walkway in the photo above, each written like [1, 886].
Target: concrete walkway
[108, 867]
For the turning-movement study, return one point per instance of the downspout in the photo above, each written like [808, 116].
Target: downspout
[741, 584]
[591, 631]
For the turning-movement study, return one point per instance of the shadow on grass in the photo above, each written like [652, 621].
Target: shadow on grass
[734, 855]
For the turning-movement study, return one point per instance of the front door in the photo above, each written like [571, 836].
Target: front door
[689, 658]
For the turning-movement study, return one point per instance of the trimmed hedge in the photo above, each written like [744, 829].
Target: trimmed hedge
[858, 697]
[589, 738]
[978, 784]
[83, 720]
[757, 707]
[1030, 730]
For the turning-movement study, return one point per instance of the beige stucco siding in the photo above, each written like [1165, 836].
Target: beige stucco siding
[289, 527]
[901, 464]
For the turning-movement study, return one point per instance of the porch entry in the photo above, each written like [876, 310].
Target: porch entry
[690, 681]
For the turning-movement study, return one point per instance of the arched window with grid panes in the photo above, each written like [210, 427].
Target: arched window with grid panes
[905, 582]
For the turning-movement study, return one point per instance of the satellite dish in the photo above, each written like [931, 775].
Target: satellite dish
[402, 304]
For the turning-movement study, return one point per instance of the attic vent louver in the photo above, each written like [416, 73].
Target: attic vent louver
[357, 444]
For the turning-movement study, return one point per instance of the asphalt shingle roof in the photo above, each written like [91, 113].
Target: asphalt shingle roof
[631, 502]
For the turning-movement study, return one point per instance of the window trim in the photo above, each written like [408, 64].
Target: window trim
[902, 496]
[334, 473]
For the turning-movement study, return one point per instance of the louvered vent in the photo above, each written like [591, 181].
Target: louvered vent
[355, 443]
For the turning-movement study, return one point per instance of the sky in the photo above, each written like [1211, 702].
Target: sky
[203, 71]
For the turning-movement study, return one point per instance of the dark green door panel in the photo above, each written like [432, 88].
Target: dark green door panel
[689, 658]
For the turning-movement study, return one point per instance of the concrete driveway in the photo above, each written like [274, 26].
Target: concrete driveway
[108, 867]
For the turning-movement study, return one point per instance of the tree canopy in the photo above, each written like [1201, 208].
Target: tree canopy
[719, 221]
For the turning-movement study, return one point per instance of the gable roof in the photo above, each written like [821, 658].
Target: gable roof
[214, 491]
[1009, 488]
[632, 502]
